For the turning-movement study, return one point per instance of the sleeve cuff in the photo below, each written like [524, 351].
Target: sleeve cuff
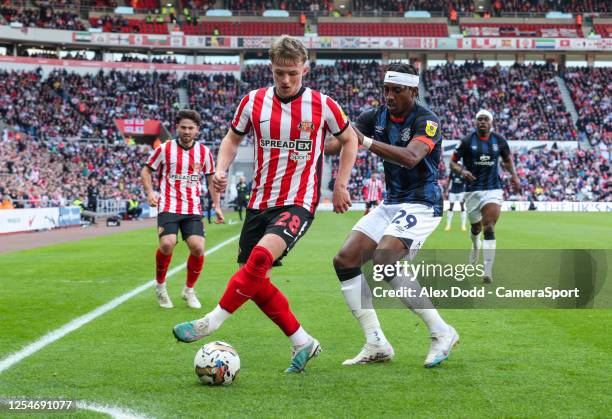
[342, 130]
[427, 141]
[237, 131]
[149, 166]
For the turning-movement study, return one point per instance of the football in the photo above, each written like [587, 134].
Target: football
[217, 364]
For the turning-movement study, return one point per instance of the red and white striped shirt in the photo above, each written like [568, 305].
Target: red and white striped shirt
[180, 174]
[289, 142]
[374, 190]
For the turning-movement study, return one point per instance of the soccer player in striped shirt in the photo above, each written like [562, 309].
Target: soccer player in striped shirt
[373, 195]
[289, 122]
[180, 164]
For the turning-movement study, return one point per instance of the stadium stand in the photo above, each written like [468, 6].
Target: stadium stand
[525, 100]
[45, 173]
[110, 23]
[66, 105]
[540, 30]
[382, 29]
[43, 17]
[591, 90]
[214, 97]
[262, 27]
[603, 29]
[553, 175]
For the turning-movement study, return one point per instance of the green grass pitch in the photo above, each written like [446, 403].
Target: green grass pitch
[512, 363]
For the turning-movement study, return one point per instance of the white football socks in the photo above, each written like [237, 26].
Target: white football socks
[449, 218]
[422, 306]
[463, 219]
[160, 287]
[352, 290]
[488, 253]
[217, 317]
[300, 337]
[475, 240]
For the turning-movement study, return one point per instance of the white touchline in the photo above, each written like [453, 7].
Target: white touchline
[113, 411]
[56, 334]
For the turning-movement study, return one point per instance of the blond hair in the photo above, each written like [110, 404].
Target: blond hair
[287, 49]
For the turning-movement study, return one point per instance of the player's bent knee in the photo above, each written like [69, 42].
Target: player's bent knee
[167, 245]
[346, 259]
[260, 256]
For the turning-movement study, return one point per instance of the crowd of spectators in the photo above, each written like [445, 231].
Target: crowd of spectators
[544, 6]
[67, 104]
[498, 7]
[548, 174]
[170, 59]
[112, 23]
[54, 55]
[48, 173]
[591, 89]
[214, 96]
[43, 17]
[524, 99]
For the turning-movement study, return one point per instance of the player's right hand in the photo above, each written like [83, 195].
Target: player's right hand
[341, 199]
[467, 175]
[152, 198]
[220, 181]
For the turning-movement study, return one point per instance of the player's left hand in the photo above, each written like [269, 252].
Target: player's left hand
[341, 199]
[516, 183]
[220, 217]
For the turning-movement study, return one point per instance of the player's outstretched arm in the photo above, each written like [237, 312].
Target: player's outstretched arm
[147, 183]
[227, 154]
[348, 154]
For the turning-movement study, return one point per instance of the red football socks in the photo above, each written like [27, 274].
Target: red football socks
[247, 281]
[194, 268]
[161, 261]
[274, 303]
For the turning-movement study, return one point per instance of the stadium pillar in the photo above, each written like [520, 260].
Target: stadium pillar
[520, 58]
[590, 59]
[312, 56]
[450, 58]
[562, 60]
[423, 59]
[385, 57]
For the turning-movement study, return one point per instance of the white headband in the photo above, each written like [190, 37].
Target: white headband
[410, 80]
[484, 112]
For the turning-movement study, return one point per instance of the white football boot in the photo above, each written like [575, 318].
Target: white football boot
[163, 298]
[371, 354]
[189, 295]
[441, 346]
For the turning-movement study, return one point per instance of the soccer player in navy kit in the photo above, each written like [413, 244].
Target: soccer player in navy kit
[407, 136]
[480, 152]
[456, 193]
